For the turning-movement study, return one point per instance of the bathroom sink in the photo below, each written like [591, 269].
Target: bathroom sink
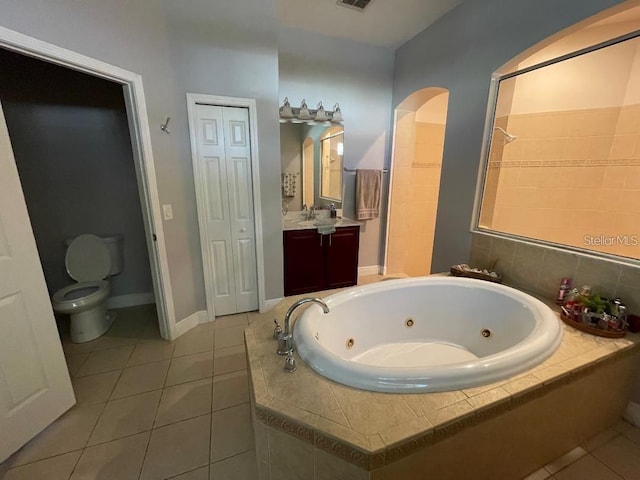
[306, 223]
[326, 222]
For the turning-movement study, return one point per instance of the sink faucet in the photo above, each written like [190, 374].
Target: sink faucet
[311, 213]
[285, 338]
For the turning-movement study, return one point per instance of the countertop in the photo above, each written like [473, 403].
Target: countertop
[296, 224]
[371, 429]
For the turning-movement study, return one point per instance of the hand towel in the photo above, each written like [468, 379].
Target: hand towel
[288, 184]
[368, 183]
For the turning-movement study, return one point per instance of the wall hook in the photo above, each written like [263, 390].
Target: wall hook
[165, 126]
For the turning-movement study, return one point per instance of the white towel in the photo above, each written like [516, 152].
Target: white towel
[368, 183]
[288, 184]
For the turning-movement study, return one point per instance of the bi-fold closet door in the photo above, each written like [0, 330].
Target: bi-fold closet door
[225, 208]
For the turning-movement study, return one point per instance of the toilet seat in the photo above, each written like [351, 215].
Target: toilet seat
[65, 303]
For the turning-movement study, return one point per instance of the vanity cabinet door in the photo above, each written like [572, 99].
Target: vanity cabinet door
[342, 257]
[304, 261]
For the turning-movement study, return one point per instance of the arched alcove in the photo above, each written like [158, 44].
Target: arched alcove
[418, 144]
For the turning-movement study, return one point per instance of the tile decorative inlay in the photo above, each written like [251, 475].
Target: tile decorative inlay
[618, 162]
[296, 405]
[343, 451]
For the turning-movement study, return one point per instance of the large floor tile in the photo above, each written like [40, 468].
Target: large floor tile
[231, 432]
[566, 459]
[600, 439]
[151, 351]
[143, 378]
[190, 367]
[67, 434]
[235, 320]
[196, 340]
[231, 359]
[540, 474]
[71, 348]
[198, 474]
[622, 455]
[75, 361]
[184, 401]
[633, 434]
[587, 468]
[120, 459]
[240, 467]
[102, 361]
[95, 388]
[151, 332]
[55, 468]
[126, 416]
[177, 448]
[230, 337]
[230, 389]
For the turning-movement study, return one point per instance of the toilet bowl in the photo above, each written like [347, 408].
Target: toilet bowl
[88, 261]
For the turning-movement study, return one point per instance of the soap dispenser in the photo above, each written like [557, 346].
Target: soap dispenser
[332, 211]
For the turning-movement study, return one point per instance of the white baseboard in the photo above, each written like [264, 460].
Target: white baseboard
[130, 300]
[370, 270]
[632, 415]
[269, 304]
[192, 321]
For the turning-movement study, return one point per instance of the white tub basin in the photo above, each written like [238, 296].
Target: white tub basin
[426, 334]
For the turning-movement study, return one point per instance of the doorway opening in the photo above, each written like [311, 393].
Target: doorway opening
[418, 143]
[72, 148]
[132, 93]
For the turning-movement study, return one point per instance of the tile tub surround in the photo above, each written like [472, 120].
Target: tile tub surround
[302, 418]
[539, 269]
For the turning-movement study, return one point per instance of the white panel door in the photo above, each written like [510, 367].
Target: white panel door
[35, 388]
[226, 204]
[243, 235]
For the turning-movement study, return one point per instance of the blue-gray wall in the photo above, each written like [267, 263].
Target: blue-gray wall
[460, 52]
[360, 78]
[200, 46]
[73, 152]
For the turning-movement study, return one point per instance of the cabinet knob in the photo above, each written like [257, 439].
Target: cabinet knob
[243, 230]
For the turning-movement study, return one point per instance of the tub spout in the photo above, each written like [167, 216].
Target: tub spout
[285, 338]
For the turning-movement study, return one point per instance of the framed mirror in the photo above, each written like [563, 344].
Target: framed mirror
[314, 155]
[331, 155]
[562, 152]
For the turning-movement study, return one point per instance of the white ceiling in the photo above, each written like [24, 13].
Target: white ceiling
[384, 23]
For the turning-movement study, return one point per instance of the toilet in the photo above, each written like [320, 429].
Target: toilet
[89, 260]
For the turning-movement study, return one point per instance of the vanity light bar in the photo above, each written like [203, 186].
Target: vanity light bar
[306, 115]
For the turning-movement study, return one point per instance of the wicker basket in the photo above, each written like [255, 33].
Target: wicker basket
[458, 272]
[593, 331]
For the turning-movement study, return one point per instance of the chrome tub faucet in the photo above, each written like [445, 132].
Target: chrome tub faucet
[285, 337]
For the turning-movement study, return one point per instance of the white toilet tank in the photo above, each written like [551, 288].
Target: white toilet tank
[115, 243]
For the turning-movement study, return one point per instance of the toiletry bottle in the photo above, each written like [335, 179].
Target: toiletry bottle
[332, 211]
[565, 287]
[578, 309]
[571, 300]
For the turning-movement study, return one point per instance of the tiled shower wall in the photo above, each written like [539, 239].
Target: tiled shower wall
[568, 174]
[416, 178]
[539, 269]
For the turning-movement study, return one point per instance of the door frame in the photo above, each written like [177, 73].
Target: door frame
[392, 162]
[138, 120]
[250, 104]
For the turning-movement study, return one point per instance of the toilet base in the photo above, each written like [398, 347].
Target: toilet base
[90, 324]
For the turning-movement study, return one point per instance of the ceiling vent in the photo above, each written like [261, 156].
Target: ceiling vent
[358, 5]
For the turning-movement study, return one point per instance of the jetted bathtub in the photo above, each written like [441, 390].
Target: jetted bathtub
[427, 334]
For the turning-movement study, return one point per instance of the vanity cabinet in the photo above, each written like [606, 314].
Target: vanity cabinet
[314, 262]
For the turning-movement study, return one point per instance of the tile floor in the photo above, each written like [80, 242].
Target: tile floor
[150, 409]
[611, 455]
